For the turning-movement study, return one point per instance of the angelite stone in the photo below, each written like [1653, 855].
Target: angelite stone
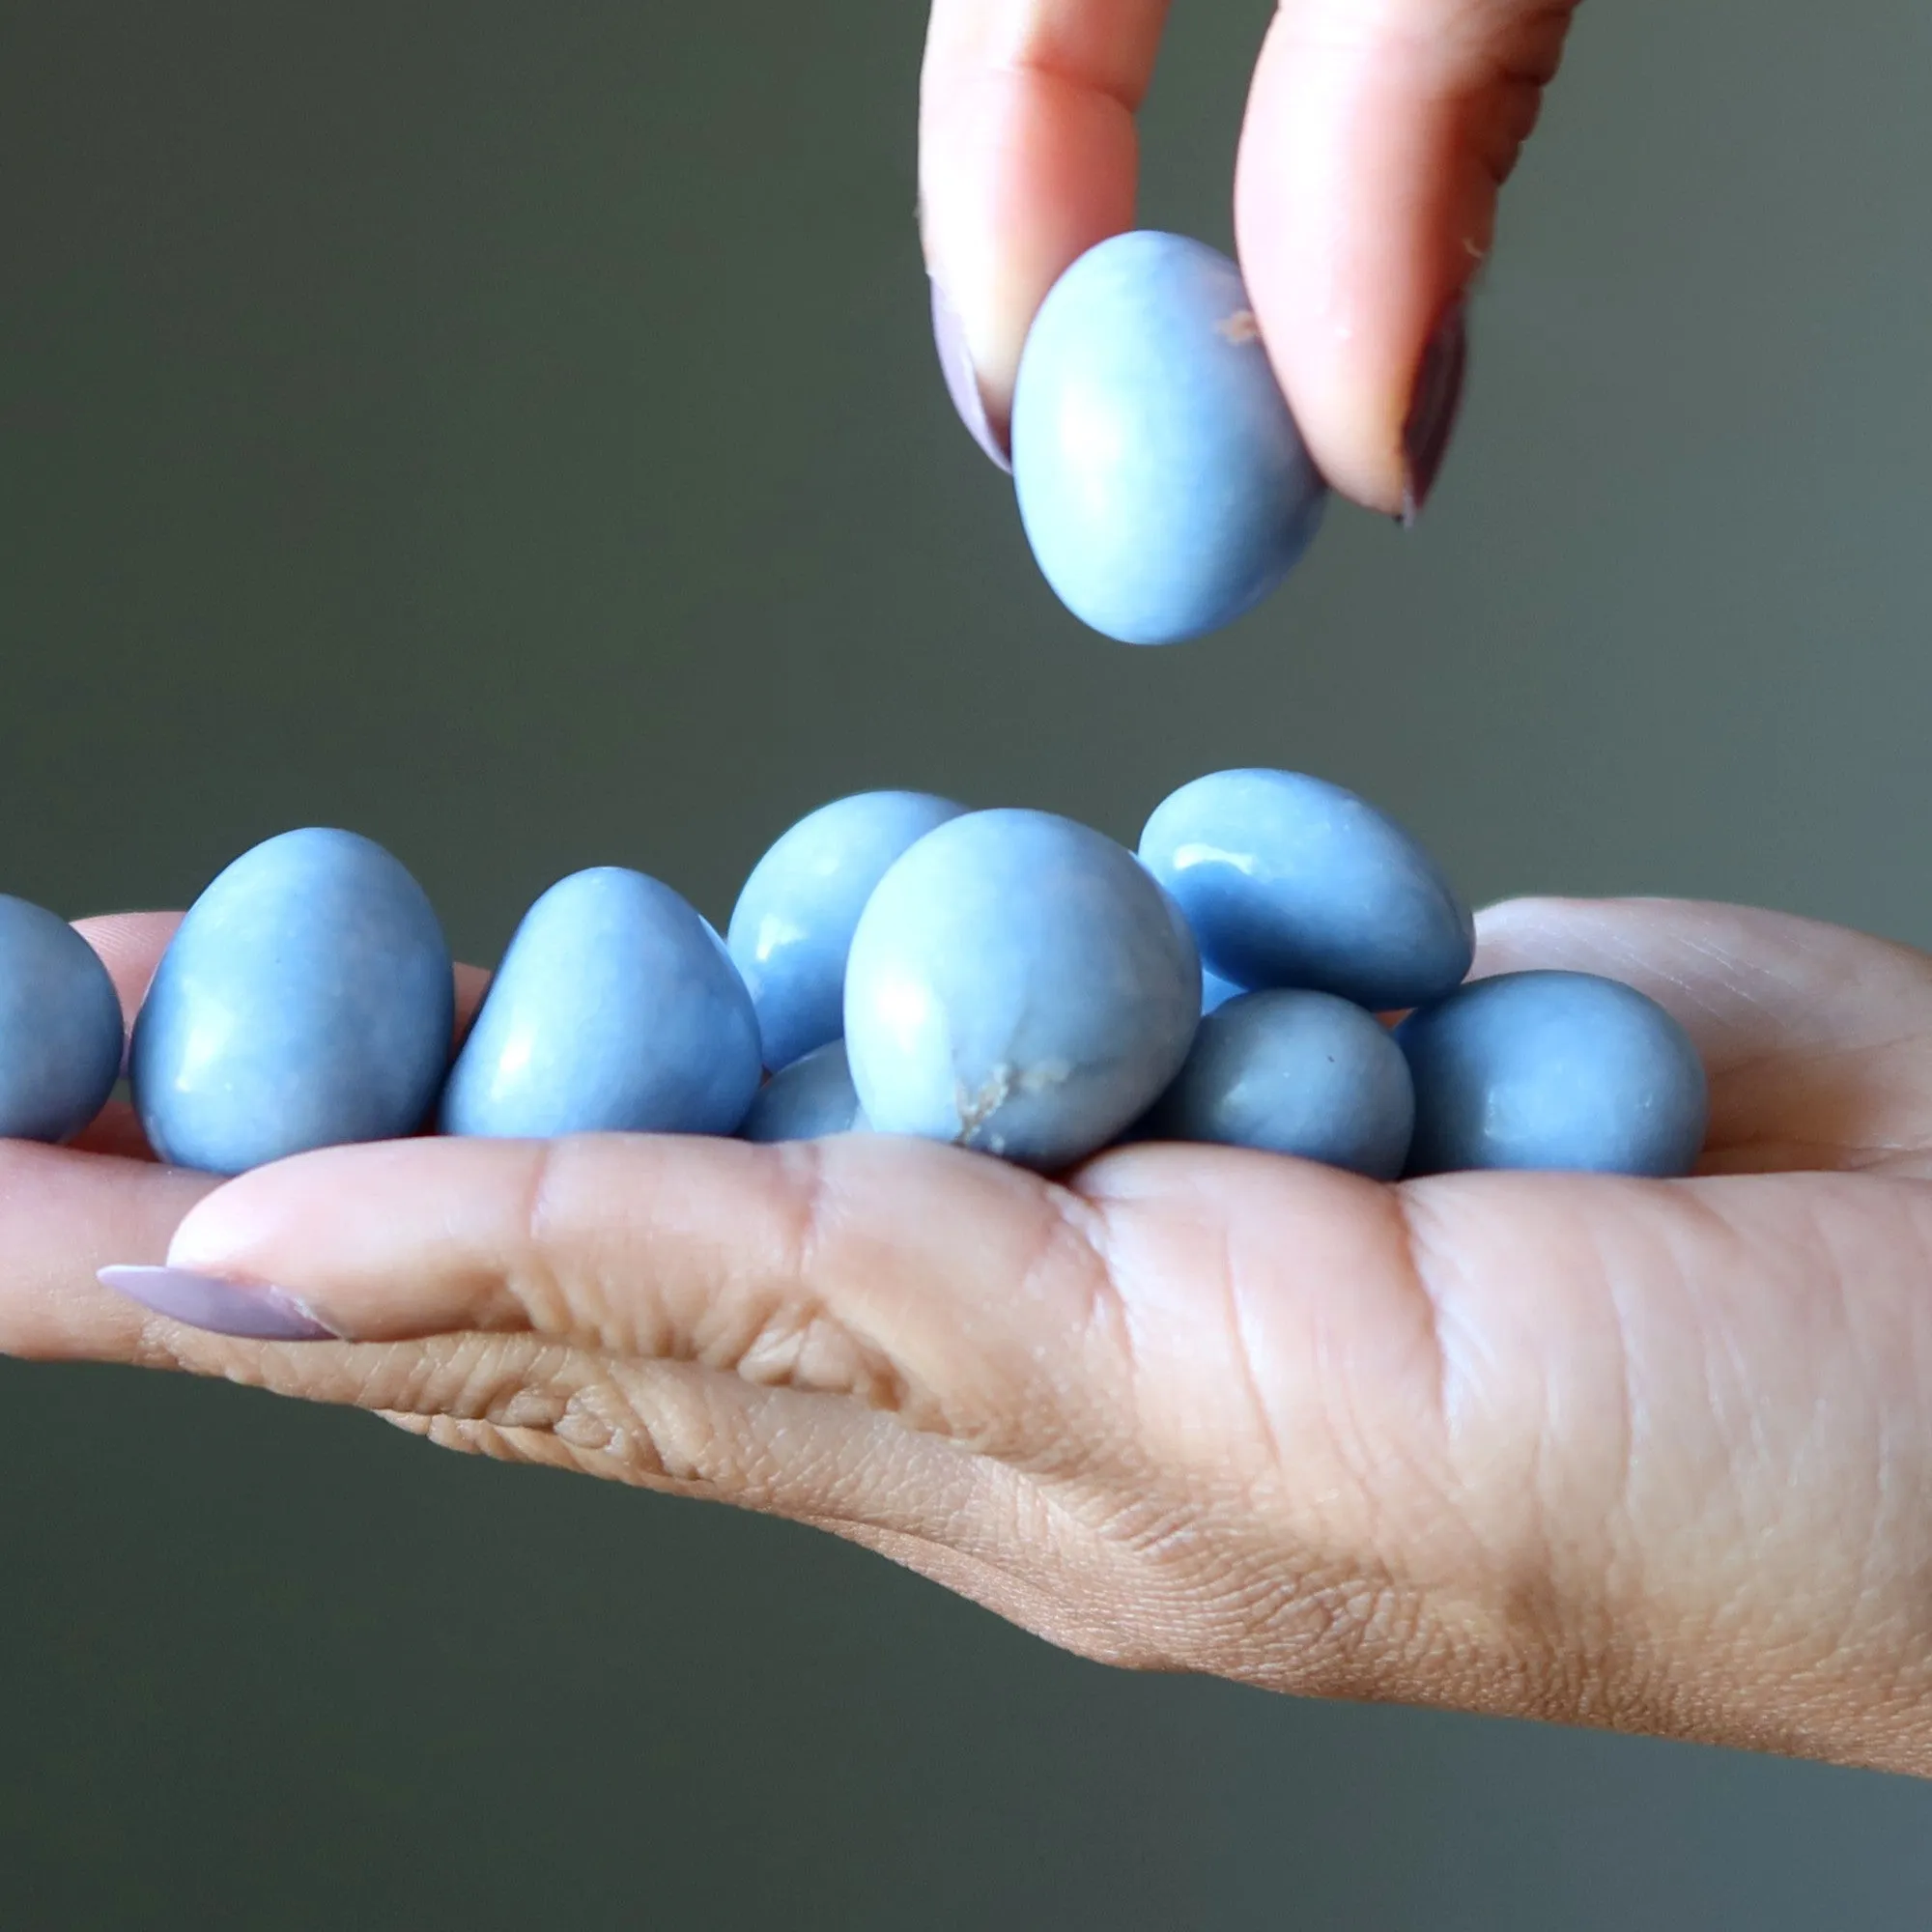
[809, 1100]
[1019, 985]
[1556, 1071]
[1161, 480]
[1296, 1073]
[1290, 881]
[307, 1001]
[616, 1010]
[793, 923]
[60, 1026]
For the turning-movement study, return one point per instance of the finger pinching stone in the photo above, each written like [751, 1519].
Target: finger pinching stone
[1296, 1073]
[1292, 881]
[616, 1010]
[1019, 985]
[60, 1026]
[793, 923]
[1556, 1071]
[307, 1001]
[1161, 480]
[811, 1099]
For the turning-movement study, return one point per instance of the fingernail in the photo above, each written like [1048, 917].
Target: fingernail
[1432, 410]
[262, 1314]
[962, 382]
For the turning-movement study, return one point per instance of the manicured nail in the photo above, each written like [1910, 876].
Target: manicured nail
[1431, 410]
[262, 1314]
[962, 382]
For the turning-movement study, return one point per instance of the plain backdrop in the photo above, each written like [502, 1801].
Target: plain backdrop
[511, 430]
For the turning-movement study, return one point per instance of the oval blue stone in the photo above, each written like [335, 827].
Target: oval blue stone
[793, 923]
[1292, 881]
[810, 1099]
[305, 1002]
[616, 1010]
[60, 1026]
[1547, 1069]
[1019, 985]
[1296, 1073]
[1162, 482]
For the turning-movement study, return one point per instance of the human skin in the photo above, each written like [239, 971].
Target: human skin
[1379, 133]
[1648, 1455]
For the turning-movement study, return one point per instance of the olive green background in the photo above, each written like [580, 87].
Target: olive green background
[510, 430]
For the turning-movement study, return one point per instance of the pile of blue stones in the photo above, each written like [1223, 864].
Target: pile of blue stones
[1280, 966]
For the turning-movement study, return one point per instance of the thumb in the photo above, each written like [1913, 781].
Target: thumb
[1378, 134]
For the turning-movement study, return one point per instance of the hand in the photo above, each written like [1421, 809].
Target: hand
[1654, 1456]
[1379, 133]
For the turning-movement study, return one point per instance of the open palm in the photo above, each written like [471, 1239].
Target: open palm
[1652, 1455]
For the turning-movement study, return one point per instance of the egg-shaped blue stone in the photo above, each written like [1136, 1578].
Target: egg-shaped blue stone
[1292, 881]
[793, 923]
[1297, 1073]
[1162, 482]
[616, 1010]
[1019, 985]
[808, 1101]
[1548, 1069]
[60, 1026]
[307, 1001]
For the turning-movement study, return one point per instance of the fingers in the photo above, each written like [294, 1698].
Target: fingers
[1028, 157]
[1818, 1039]
[1377, 137]
[64, 1214]
[955, 1294]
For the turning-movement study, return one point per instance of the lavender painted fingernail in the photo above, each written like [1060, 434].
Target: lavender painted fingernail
[962, 382]
[262, 1314]
[1432, 409]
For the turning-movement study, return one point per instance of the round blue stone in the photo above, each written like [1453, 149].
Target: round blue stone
[305, 1002]
[1291, 881]
[1019, 985]
[1550, 1070]
[793, 923]
[808, 1101]
[60, 1026]
[616, 1010]
[1297, 1073]
[1161, 480]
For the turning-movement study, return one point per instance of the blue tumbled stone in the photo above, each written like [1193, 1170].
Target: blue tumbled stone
[1292, 881]
[60, 1026]
[1019, 985]
[1547, 1069]
[1162, 482]
[616, 1010]
[793, 923]
[307, 1001]
[808, 1101]
[1297, 1073]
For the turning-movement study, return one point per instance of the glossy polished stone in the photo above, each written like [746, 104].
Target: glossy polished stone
[616, 1010]
[1162, 482]
[1019, 985]
[60, 1026]
[808, 1101]
[1296, 1073]
[1548, 1069]
[305, 1002]
[793, 923]
[1290, 881]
